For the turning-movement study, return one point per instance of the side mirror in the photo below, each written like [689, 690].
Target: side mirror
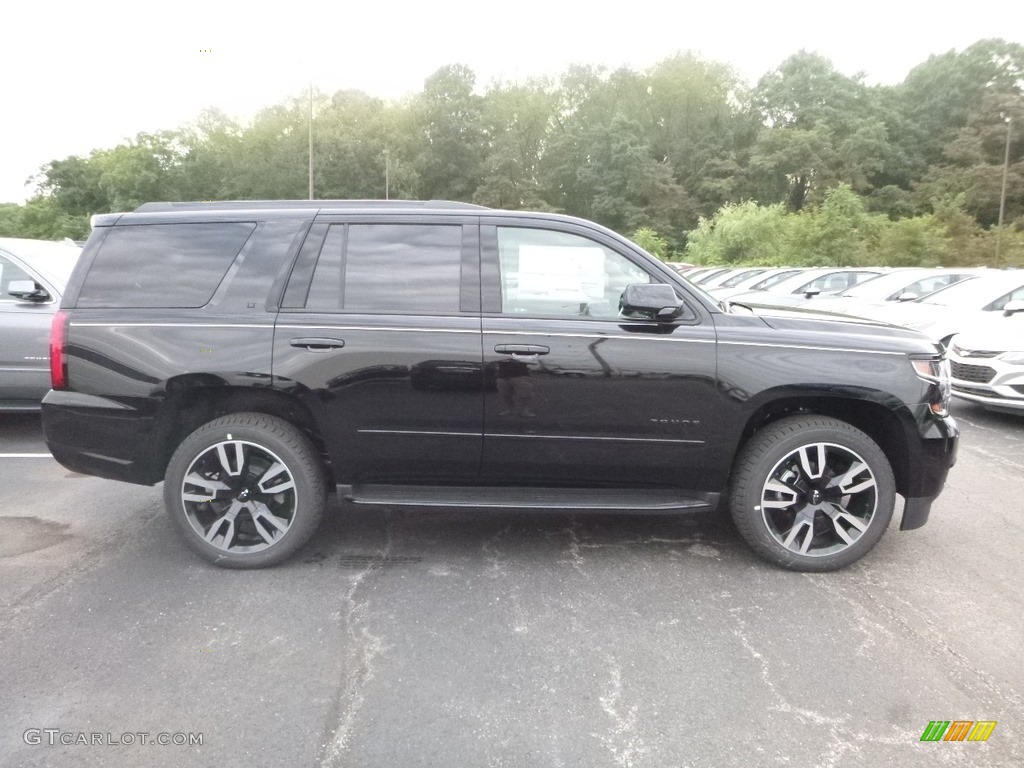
[651, 301]
[1013, 307]
[810, 293]
[27, 290]
[908, 296]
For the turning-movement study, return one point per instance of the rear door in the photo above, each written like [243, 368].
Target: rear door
[379, 334]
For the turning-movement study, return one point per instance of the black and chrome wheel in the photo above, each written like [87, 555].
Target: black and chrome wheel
[245, 490]
[812, 493]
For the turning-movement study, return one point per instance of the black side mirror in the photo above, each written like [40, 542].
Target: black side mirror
[27, 290]
[650, 301]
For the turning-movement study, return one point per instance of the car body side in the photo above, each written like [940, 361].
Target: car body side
[660, 406]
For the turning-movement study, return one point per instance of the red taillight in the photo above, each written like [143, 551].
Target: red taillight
[58, 341]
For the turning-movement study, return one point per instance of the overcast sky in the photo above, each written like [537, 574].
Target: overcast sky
[88, 75]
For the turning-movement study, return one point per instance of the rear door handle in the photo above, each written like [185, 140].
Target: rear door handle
[318, 344]
[521, 349]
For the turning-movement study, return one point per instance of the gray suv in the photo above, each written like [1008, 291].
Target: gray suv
[33, 274]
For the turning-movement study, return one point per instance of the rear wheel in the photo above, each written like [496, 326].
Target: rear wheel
[245, 490]
[812, 493]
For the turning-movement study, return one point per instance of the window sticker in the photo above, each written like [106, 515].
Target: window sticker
[563, 272]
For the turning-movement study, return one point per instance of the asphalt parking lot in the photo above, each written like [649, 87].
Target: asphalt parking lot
[402, 638]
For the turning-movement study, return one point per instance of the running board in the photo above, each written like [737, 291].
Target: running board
[558, 499]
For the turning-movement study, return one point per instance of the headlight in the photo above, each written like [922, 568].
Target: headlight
[935, 370]
[1013, 358]
[929, 369]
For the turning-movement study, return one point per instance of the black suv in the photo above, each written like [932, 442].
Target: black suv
[254, 356]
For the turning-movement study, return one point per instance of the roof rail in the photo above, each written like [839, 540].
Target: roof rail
[234, 205]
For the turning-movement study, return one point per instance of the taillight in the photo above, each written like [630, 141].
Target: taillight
[58, 342]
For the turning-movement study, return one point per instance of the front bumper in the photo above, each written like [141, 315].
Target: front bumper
[931, 458]
[987, 396]
[988, 380]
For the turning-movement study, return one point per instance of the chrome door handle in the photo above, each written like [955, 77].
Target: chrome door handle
[318, 344]
[521, 349]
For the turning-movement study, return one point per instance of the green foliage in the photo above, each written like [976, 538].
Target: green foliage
[836, 233]
[41, 218]
[821, 128]
[743, 233]
[913, 242]
[652, 242]
[449, 135]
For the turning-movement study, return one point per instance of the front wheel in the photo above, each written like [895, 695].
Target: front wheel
[245, 490]
[812, 493]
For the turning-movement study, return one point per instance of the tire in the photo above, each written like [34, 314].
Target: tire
[812, 493]
[245, 490]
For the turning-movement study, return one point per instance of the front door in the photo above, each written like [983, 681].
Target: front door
[581, 395]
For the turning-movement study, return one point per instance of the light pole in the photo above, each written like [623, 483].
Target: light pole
[1002, 195]
[310, 122]
[387, 174]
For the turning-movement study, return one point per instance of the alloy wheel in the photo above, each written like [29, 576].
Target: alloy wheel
[819, 499]
[239, 497]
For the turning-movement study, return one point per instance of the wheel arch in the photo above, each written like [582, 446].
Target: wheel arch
[190, 403]
[880, 421]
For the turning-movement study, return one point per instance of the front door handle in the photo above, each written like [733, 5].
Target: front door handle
[318, 344]
[521, 349]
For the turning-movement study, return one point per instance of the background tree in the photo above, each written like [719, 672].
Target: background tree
[811, 166]
[821, 128]
[450, 135]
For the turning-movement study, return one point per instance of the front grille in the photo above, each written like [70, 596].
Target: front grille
[979, 374]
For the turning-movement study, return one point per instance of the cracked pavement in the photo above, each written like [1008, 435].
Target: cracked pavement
[440, 637]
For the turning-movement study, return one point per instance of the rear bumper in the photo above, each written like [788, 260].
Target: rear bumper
[97, 436]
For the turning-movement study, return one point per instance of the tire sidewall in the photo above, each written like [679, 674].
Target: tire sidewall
[745, 501]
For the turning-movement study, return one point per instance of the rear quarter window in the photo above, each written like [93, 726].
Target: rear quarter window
[162, 265]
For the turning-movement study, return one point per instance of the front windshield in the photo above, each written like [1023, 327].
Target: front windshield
[736, 279]
[975, 292]
[771, 280]
[880, 286]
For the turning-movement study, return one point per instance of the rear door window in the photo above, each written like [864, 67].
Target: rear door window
[389, 268]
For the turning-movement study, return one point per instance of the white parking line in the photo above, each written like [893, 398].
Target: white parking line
[26, 456]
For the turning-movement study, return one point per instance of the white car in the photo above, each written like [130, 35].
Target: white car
[987, 361]
[943, 314]
[754, 282]
[796, 289]
[899, 285]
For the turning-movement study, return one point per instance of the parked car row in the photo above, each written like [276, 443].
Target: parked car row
[977, 314]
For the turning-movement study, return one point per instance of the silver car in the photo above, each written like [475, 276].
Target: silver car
[33, 274]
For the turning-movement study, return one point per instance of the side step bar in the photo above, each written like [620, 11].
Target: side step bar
[558, 499]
